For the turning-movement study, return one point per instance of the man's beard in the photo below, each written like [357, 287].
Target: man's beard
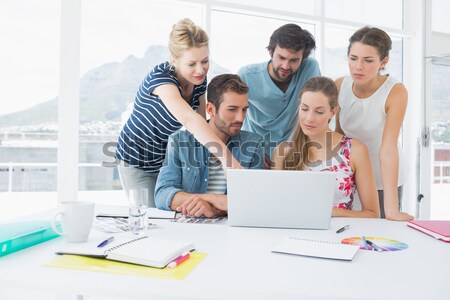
[221, 125]
[279, 76]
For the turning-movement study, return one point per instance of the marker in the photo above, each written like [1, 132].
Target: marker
[179, 260]
[343, 229]
[374, 246]
[105, 242]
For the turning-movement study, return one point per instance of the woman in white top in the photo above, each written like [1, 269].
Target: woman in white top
[372, 109]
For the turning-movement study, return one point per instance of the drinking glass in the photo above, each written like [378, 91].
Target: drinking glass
[137, 218]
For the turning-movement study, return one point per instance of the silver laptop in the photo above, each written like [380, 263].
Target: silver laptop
[280, 199]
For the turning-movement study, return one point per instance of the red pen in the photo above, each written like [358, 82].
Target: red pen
[179, 260]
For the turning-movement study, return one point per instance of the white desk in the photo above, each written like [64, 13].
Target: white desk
[240, 265]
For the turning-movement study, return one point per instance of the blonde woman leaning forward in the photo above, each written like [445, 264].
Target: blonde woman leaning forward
[372, 109]
[168, 99]
[315, 147]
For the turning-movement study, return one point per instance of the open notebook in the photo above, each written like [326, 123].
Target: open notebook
[314, 248]
[144, 250]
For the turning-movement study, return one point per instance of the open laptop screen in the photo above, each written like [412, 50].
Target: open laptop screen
[279, 198]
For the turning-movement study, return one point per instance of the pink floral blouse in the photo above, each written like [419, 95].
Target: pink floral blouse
[345, 179]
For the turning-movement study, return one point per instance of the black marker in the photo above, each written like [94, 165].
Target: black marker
[343, 229]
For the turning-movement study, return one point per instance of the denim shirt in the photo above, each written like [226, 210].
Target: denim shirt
[185, 168]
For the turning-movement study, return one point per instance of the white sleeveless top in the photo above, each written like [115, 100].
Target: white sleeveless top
[364, 119]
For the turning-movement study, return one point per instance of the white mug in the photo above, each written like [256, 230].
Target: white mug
[76, 220]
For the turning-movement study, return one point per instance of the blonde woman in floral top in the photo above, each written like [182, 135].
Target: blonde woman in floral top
[315, 147]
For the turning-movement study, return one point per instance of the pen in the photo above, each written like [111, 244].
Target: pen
[126, 217]
[179, 260]
[365, 242]
[343, 229]
[374, 246]
[105, 242]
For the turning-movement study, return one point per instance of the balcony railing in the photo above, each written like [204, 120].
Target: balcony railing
[97, 177]
[92, 176]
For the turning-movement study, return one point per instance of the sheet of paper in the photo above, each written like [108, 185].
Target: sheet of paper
[114, 225]
[122, 211]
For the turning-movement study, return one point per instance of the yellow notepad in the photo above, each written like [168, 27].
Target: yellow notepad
[108, 266]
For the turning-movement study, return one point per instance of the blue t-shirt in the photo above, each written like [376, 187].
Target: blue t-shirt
[272, 113]
[143, 140]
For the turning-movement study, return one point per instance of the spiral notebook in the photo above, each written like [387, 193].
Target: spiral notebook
[145, 250]
[314, 248]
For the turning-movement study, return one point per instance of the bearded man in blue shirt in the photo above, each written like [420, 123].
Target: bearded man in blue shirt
[192, 180]
[275, 85]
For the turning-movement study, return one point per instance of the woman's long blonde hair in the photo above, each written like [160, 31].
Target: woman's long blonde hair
[297, 157]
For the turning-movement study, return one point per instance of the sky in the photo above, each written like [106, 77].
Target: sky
[29, 55]
[111, 30]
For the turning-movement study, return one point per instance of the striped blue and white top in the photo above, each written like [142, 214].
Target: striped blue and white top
[217, 181]
[143, 140]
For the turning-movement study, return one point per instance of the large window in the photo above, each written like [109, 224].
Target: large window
[122, 39]
[240, 38]
[28, 116]
[29, 62]
[440, 139]
[438, 104]
[385, 13]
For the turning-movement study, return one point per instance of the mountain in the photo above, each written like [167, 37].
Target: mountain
[105, 91]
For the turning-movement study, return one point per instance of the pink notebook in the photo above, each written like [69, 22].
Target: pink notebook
[438, 229]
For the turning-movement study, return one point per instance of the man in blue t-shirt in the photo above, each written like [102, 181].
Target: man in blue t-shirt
[192, 180]
[275, 85]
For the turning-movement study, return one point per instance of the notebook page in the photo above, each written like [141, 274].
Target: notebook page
[149, 251]
[314, 248]
[90, 248]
